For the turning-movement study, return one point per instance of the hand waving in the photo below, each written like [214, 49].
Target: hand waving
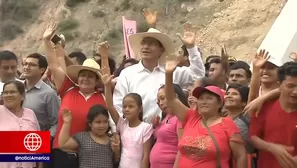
[260, 59]
[49, 31]
[189, 36]
[293, 55]
[67, 116]
[115, 142]
[155, 121]
[107, 78]
[171, 63]
[104, 49]
[151, 18]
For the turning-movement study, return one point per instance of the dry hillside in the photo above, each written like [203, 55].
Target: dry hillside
[239, 24]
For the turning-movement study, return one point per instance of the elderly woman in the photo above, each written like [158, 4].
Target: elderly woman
[78, 90]
[13, 117]
[208, 140]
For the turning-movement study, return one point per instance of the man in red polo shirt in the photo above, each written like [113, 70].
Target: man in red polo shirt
[274, 132]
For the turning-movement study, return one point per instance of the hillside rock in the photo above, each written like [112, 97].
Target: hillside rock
[239, 24]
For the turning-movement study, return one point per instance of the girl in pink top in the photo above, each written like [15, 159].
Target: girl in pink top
[167, 133]
[15, 118]
[208, 139]
[135, 134]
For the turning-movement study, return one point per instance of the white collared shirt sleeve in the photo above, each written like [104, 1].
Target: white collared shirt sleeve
[186, 76]
[196, 62]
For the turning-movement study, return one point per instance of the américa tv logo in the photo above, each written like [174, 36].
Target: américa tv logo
[25, 142]
[25, 146]
[32, 142]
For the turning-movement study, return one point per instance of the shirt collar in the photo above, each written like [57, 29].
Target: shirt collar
[140, 67]
[38, 84]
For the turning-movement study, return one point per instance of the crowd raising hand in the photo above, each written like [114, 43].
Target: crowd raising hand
[189, 36]
[151, 17]
[49, 31]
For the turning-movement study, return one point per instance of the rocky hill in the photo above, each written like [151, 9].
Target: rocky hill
[239, 24]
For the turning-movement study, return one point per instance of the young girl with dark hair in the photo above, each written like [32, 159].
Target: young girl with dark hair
[135, 134]
[95, 138]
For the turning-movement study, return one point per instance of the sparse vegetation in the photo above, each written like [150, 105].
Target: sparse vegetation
[69, 36]
[98, 13]
[18, 10]
[68, 24]
[101, 1]
[113, 33]
[13, 14]
[182, 21]
[125, 5]
[116, 8]
[73, 3]
[142, 26]
[9, 30]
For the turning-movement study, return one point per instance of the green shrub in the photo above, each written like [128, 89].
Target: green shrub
[113, 33]
[18, 10]
[73, 3]
[125, 5]
[69, 36]
[98, 13]
[68, 24]
[9, 30]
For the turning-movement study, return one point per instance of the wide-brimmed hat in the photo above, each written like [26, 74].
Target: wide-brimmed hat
[88, 65]
[213, 89]
[165, 40]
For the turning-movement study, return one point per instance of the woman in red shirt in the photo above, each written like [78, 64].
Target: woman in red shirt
[208, 140]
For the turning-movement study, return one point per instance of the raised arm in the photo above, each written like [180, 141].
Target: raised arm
[256, 105]
[196, 62]
[259, 60]
[106, 79]
[186, 76]
[151, 17]
[53, 64]
[61, 54]
[173, 102]
[66, 142]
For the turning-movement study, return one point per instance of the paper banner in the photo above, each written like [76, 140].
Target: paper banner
[129, 27]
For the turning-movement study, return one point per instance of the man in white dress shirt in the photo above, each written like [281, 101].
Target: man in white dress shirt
[146, 77]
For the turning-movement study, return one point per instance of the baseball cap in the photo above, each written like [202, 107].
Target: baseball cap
[213, 89]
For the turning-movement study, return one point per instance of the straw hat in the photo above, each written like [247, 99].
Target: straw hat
[89, 65]
[165, 40]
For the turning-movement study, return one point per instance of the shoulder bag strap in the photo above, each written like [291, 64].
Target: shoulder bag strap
[218, 153]
[244, 120]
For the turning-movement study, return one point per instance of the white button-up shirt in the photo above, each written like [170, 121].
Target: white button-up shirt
[137, 79]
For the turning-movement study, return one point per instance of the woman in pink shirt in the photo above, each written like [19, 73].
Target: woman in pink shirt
[208, 139]
[15, 118]
[167, 133]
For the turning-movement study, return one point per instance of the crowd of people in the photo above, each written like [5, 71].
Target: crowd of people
[165, 109]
